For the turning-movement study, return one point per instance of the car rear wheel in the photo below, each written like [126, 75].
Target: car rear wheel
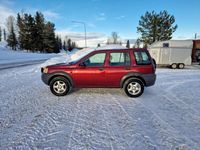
[134, 87]
[60, 86]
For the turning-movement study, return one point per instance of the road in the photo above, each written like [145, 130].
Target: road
[166, 117]
[20, 64]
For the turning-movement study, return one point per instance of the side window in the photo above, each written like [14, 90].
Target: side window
[119, 59]
[142, 58]
[96, 60]
[165, 44]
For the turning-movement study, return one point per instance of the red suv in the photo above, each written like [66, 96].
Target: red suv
[130, 69]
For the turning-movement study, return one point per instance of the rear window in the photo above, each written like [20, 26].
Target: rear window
[142, 58]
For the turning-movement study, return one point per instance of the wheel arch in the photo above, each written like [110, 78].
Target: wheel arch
[132, 75]
[62, 74]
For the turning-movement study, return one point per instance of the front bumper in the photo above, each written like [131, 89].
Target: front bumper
[45, 78]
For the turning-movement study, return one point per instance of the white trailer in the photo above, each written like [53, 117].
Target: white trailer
[174, 53]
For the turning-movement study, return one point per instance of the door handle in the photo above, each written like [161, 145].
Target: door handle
[127, 68]
[101, 69]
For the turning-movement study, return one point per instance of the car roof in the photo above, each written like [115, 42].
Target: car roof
[130, 49]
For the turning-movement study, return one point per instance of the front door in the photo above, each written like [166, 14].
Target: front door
[91, 71]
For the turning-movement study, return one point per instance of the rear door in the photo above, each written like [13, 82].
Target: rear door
[119, 64]
[143, 62]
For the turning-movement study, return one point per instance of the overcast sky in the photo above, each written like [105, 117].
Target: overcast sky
[104, 16]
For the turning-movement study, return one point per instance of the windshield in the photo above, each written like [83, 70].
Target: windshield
[77, 55]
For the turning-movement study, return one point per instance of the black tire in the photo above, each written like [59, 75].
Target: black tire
[154, 63]
[181, 66]
[60, 86]
[135, 83]
[174, 66]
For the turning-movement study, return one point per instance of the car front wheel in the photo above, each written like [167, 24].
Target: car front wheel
[133, 88]
[60, 86]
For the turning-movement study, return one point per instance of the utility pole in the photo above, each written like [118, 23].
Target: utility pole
[84, 30]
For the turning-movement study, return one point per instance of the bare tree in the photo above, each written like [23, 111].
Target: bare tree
[11, 23]
[114, 39]
[11, 26]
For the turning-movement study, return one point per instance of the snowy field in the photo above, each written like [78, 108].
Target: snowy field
[166, 117]
[8, 56]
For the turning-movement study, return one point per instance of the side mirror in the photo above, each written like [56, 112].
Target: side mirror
[82, 64]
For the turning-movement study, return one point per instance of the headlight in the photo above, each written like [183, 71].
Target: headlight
[45, 70]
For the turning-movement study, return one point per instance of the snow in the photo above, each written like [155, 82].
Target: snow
[166, 116]
[9, 56]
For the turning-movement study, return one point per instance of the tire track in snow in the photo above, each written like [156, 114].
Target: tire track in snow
[183, 116]
[89, 131]
[168, 137]
[123, 128]
[50, 129]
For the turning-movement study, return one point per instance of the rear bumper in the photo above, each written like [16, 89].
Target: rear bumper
[150, 79]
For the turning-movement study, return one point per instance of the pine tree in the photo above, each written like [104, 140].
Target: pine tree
[31, 33]
[128, 44]
[12, 40]
[49, 42]
[156, 27]
[0, 34]
[59, 42]
[58, 45]
[69, 45]
[64, 45]
[74, 45]
[39, 34]
[21, 31]
[4, 34]
[27, 33]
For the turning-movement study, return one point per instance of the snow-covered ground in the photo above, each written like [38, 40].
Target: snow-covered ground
[8, 56]
[165, 117]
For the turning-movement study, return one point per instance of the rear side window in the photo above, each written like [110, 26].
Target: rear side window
[119, 59]
[142, 58]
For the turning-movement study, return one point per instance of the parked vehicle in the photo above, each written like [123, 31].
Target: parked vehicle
[130, 69]
[174, 53]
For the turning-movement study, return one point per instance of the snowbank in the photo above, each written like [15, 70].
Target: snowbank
[9, 56]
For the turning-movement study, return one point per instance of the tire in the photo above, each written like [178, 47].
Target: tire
[154, 63]
[133, 87]
[60, 86]
[181, 66]
[174, 66]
